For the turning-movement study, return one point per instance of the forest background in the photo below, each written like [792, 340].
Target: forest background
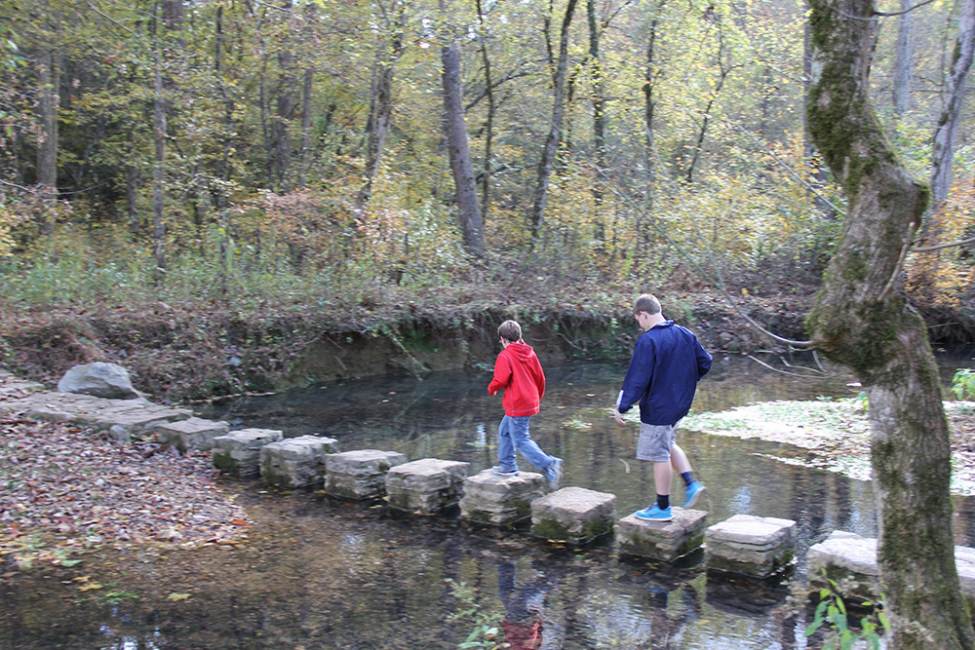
[292, 157]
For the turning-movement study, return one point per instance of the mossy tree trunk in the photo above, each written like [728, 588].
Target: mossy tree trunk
[862, 319]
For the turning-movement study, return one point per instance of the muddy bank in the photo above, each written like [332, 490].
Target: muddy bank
[185, 352]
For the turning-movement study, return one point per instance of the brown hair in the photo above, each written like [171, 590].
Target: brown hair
[510, 330]
[648, 303]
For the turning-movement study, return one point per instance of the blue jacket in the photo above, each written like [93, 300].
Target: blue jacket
[667, 363]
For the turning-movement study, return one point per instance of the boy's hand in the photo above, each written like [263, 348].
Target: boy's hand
[618, 416]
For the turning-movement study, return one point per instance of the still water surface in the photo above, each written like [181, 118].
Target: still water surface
[318, 573]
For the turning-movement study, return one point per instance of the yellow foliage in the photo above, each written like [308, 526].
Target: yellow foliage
[941, 277]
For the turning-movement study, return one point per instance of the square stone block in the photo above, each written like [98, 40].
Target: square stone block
[503, 501]
[359, 474]
[851, 561]
[239, 453]
[296, 462]
[426, 486]
[573, 515]
[749, 545]
[662, 540]
[194, 433]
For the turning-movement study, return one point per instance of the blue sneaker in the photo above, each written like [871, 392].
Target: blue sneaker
[500, 471]
[553, 473]
[654, 513]
[692, 493]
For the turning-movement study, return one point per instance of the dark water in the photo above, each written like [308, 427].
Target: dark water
[323, 574]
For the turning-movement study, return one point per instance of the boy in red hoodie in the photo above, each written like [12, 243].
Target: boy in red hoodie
[518, 372]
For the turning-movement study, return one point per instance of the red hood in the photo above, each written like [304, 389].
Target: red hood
[521, 350]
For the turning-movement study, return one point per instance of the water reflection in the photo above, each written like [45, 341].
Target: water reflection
[319, 573]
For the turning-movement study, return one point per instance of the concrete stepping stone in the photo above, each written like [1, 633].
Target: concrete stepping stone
[194, 433]
[133, 415]
[426, 486]
[851, 561]
[750, 545]
[359, 474]
[664, 541]
[573, 515]
[296, 462]
[238, 453]
[503, 501]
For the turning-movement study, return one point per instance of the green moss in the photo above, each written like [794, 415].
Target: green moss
[225, 463]
[549, 529]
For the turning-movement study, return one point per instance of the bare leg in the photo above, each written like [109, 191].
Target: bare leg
[662, 477]
[678, 460]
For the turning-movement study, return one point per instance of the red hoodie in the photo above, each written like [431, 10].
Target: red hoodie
[518, 372]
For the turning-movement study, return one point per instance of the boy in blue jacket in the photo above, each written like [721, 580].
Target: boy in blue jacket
[667, 364]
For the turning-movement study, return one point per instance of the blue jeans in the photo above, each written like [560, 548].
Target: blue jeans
[513, 434]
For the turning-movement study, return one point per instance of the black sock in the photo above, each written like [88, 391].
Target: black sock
[688, 477]
[663, 501]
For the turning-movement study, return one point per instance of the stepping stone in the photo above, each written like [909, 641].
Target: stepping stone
[573, 515]
[239, 453]
[296, 462]
[664, 541]
[751, 546]
[851, 561]
[194, 433]
[426, 486]
[503, 501]
[359, 474]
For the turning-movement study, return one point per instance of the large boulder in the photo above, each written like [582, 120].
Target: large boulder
[99, 379]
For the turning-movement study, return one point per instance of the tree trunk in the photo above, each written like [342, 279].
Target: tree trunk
[861, 319]
[460, 156]
[306, 127]
[723, 72]
[552, 140]
[598, 118]
[489, 121]
[285, 107]
[158, 170]
[903, 58]
[380, 105]
[49, 81]
[944, 135]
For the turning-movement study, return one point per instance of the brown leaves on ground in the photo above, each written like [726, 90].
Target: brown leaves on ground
[64, 489]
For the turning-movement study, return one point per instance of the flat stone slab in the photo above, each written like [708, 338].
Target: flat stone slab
[194, 433]
[238, 453]
[851, 561]
[750, 545]
[296, 462]
[503, 501]
[662, 540]
[134, 415]
[426, 486]
[359, 474]
[573, 515]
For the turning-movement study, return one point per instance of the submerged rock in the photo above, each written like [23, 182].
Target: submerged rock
[100, 380]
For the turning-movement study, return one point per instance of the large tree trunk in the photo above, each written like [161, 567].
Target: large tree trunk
[381, 102]
[598, 117]
[49, 82]
[460, 155]
[903, 57]
[540, 198]
[159, 169]
[286, 105]
[861, 319]
[489, 121]
[944, 135]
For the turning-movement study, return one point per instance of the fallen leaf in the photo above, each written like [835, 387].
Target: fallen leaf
[177, 597]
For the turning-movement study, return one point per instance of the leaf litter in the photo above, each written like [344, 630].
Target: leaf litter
[65, 490]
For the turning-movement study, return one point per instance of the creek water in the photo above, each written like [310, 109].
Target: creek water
[318, 573]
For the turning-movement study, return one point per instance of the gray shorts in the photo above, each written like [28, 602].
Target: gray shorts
[655, 442]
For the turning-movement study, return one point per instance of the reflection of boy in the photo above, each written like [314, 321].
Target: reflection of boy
[518, 372]
[522, 624]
